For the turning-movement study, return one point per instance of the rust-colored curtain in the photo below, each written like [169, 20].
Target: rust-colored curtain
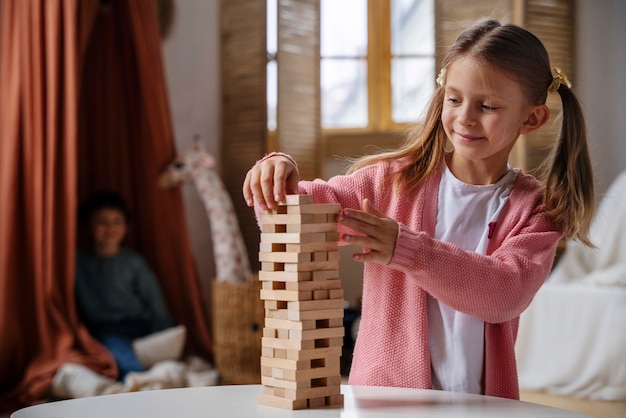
[67, 129]
[126, 139]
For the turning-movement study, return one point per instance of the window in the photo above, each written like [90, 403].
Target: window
[377, 66]
[412, 58]
[343, 67]
[272, 66]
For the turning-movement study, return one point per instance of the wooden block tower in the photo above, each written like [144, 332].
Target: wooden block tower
[303, 333]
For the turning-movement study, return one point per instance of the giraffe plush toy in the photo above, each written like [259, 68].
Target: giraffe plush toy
[194, 164]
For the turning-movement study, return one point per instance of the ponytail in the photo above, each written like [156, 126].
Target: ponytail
[567, 173]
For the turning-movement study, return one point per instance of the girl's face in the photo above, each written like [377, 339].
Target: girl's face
[484, 112]
[108, 229]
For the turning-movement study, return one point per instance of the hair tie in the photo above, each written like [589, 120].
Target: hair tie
[559, 78]
[441, 77]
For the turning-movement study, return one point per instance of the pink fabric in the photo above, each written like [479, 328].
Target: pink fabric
[392, 344]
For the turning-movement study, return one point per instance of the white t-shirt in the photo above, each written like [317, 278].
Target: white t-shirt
[464, 215]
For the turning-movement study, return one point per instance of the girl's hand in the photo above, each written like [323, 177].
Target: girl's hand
[377, 233]
[269, 181]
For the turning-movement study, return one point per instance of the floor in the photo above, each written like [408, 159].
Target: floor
[594, 409]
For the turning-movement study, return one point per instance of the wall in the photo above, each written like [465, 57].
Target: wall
[601, 68]
[191, 54]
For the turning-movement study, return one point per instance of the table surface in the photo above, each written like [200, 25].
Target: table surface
[240, 401]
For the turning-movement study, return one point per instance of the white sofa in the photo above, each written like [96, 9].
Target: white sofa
[572, 337]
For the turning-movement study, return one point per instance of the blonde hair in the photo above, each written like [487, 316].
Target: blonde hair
[569, 197]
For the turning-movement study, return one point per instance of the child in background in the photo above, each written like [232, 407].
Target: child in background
[117, 294]
[456, 242]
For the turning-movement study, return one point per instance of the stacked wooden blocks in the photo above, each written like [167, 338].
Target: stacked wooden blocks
[303, 333]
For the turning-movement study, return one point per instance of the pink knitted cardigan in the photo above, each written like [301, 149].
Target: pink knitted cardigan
[392, 344]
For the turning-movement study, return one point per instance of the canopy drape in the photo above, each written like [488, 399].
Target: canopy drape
[83, 107]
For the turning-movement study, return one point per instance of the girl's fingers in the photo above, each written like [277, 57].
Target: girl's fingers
[247, 193]
[280, 181]
[268, 181]
[368, 208]
[358, 221]
[376, 233]
[257, 191]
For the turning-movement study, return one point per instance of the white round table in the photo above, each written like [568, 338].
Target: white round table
[240, 401]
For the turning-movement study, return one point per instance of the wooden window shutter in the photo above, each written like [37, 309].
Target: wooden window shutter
[552, 21]
[244, 120]
[298, 108]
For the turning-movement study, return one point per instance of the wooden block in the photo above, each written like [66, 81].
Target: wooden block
[286, 219]
[297, 315]
[313, 353]
[269, 333]
[308, 228]
[304, 383]
[270, 247]
[321, 256]
[335, 322]
[284, 364]
[320, 294]
[270, 390]
[314, 285]
[332, 236]
[267, 352]
[309, 247]
[268, 228]
[275, 304]
[311, 393]
[286, 344]
[285, 384]
[296, 199]
[313, 403]
[297, 238]
[280, 353]
[324, 275]
[334, 401]
[314, 334]
[267, 266]
[287, 324]
[336, 294]
[322, 218]
[331, 256]
[285, 276]
[315, 305]
[305, 379]
[312, 266]
[274, 285]
[326, 208]
[278, 402]
[282, 334]
[285, 295]
[327, 342]
[279, 313]
[285, 257]
[289, 364]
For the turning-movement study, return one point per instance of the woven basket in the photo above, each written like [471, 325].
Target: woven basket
[238, 317]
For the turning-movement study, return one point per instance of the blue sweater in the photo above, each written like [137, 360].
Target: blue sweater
[118, 288]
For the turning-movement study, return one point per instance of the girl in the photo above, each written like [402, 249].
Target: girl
[456, 242]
